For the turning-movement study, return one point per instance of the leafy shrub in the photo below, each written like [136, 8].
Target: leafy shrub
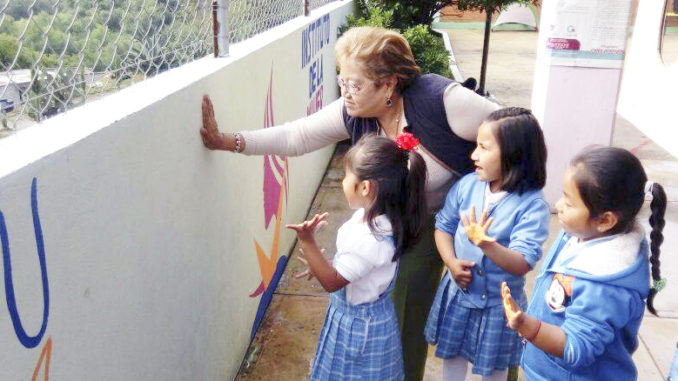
[429, 50]
[427, 46]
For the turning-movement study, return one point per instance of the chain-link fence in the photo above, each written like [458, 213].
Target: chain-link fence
[313, 4]
[249, 17]
[58, 54]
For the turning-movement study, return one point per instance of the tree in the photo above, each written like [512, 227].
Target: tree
[8, 49]
[417, 12]
[428, 48]
[410, 12]
[489, 7]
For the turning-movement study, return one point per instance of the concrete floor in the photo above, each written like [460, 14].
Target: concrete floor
[285, 343]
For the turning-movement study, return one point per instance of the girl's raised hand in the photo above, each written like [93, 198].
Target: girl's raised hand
[514, 314]
[477, 231]
[306, 230]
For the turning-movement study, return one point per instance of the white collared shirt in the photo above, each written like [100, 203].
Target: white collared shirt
[365, 259]
[492, 199]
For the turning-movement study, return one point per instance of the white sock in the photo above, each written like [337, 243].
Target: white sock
[455, 369]
[497, 375]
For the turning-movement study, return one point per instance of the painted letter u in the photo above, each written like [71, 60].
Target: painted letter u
[24, 338]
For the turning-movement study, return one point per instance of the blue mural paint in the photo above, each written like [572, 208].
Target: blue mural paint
[267, 296]
[315, 76]
[26, 340]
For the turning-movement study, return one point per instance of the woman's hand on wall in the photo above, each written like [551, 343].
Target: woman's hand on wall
[211, 137]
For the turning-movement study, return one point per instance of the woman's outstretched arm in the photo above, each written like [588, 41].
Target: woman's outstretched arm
[294, 138]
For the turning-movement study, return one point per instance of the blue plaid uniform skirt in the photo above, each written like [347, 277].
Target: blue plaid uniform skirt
[479, 335]
[359, 342]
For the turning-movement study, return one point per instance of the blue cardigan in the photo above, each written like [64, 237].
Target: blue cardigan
[600, 314]
[521, 223]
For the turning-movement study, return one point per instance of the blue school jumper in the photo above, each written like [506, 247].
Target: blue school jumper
[471, 323]
[600, 315]
[359, 342]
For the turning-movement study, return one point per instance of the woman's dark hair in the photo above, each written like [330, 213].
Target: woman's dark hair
[523, 151]
[612, 179]
[398, 178]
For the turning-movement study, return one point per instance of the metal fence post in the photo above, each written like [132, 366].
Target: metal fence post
[220, 27]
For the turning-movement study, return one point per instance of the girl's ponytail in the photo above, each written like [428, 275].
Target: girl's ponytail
[416, 208]
[658, 208]
[398, 176]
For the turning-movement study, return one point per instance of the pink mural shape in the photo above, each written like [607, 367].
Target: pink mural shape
[275, 187]
[275, 167]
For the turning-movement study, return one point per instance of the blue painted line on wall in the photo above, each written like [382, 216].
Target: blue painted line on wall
[26, 340]
[267, 296]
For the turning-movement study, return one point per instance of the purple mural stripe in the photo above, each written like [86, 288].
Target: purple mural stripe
[271, 192]
[287, 182]
[258, 291]
[270, 98]
[272, 187]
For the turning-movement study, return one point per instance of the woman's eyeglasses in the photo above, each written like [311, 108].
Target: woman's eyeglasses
[349, 86]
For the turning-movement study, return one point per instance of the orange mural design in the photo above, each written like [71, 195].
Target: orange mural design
[275, 190]
[269, 263]
[45, 355]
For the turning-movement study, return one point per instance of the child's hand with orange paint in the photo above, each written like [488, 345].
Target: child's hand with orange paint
[529, 328]
[514, 314]
[477, 231]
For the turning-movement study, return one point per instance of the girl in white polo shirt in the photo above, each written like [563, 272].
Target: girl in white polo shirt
[384, 183]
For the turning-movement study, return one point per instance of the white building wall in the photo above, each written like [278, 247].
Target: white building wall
[149, 238]
[649, 86]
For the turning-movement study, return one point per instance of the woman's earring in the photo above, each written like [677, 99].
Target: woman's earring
[389, 102]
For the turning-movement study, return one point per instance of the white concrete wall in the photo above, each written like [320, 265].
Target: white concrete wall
[648, 96]
[149, 255]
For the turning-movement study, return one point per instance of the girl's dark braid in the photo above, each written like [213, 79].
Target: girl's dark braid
[658, 207]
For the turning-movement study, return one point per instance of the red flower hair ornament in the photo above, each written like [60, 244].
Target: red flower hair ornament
[407, 141]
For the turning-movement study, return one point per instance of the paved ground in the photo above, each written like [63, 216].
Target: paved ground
[284, 345]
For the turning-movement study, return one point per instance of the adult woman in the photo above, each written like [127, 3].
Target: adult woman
[383, 92]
